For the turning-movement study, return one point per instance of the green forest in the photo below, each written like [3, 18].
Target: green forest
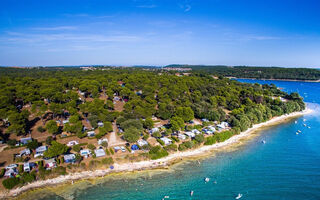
[56, 101]
[257, 72]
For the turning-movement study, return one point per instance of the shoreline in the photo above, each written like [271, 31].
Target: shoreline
[150, 164]
[293, 80]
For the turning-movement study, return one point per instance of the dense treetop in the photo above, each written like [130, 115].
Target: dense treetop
[146, 93]
[258, 72]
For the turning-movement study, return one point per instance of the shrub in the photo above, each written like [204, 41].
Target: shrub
[20, 169]
[104, 144]
[27, 177]
[41, 129]
[2, 172]
[175, 139]
[91, 147]
[60, 170]
[171, 147]
[210, 140]
[81, 135]
[146, 136]
[199, 138]
[33, 144]
[157, 152]
[49, 140]
[76, 148]
[12, 142]
[161, 142]
[10, 183]
[185, 145]
[111, 151]
[108, 152]
[107, 161]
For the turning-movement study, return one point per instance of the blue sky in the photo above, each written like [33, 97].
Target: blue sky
[153, 32]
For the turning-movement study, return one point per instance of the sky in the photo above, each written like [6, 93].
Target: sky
[282, 33]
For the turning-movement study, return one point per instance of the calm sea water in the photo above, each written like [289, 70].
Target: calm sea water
[287, 166]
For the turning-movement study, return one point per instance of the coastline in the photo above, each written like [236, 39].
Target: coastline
[151, 164]
[293, 80]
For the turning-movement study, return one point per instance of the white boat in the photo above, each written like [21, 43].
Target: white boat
[207, 180]
[304, 120]
[263, 141]
[295, 122]
[239, 196]
[299, 131]
[191, 192]
[309, 127]
[304, 124]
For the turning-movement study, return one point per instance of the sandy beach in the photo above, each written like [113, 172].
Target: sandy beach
[149, 164]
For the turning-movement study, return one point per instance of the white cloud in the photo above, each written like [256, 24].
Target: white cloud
[187, 8]
[56, 28]
[147, 6]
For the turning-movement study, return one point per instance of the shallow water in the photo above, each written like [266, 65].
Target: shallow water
[287, 166]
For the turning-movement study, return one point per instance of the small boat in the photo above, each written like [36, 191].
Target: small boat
[295, 122]
[207, 180]
[309, 127]
[304, 120]
[299, 131]
[166, 197]
[304, 124]
[263, 141]
[191, 192]
[239, 196]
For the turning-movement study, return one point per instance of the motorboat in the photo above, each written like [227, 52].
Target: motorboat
[191, 192]
[239, 196]
[207, 180]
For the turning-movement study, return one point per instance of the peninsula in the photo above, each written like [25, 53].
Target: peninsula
[60, 121]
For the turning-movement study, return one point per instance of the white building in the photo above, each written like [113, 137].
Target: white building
[85, 152]
[154, 130]
[102, 140]
[195, 131]
[26, 167]
[71, 143]
[40, 150]
[182, 137]
[142, 142]
[166, 140]
[91, 134]
[190, 134]
[99, 152]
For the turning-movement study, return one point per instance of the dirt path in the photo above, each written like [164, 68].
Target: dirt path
[114, 139]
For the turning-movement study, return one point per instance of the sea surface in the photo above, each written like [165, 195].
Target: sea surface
[287, 166]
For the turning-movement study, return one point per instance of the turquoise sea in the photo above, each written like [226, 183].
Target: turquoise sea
[287, 166]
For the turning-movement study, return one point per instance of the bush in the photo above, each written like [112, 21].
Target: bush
[175, 139]
[171, 147]
[60, 170]
[76, 148]
[146, 136]
[12, 142]
[185, 145]
[157, 152]
[108, 152]
[2, 172]
[49, 140]
[27, 177]
[81, 135]
[199, 138]
[210, 140]
[91, 147]
[107, 161]
[161, 142]
[111, 151]
[104, 144]
[20, 169]
[41, 129]
[10, 183]
[33, 144]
